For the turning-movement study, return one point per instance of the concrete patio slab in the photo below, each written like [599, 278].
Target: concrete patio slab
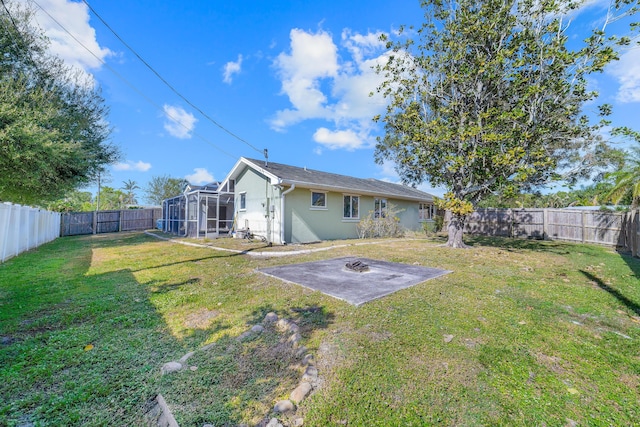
[332, 277]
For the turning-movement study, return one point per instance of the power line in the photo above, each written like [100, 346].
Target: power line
[166, 82]
[138, 91]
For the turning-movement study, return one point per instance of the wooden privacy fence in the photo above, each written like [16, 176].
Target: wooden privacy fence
[618, 229]
[23, 228]
[75, 223]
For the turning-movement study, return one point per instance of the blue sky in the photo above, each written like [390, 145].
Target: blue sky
[293, 77]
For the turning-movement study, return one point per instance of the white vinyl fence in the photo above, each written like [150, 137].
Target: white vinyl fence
[23, 228]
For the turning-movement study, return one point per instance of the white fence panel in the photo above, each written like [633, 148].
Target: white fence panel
[23, 228]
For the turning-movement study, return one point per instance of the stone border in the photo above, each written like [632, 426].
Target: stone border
[308, 381]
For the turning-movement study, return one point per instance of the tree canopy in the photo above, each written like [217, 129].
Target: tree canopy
[163, 187]
[490, 99]
[54, 136]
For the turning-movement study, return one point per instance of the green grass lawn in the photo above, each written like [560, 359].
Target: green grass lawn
[543, 333]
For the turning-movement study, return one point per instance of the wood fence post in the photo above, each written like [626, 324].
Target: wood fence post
[120, 220]
[545, 220]
[583, 225]
[510, 221]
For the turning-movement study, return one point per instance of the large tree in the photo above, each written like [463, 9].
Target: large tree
[490, 99]
[163, 187]
[54, 136]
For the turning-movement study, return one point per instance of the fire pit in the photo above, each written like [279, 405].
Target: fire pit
[357, 266]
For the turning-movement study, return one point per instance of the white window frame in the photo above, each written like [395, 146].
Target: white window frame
[351, 197]
[319, 208]
[380, 211]
[429, 209]
[242, 201]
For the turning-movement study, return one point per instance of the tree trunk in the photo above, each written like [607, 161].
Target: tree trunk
[455, 229]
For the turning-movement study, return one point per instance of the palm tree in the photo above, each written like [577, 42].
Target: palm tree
[626, 181]
[129, 188]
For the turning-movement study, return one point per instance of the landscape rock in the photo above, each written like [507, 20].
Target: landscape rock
[310, 374]
[283, 325]
[300, 392]
[301, 351]
[448, 338]
[270, 317]
[186, 356]
[257, 329]
[308, 360]
[170, 367]
[284, 406]
[273, 422]
[298, 422]
[294, 339]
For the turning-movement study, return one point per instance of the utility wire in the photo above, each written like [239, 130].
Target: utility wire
[205, 115]
[138, 91]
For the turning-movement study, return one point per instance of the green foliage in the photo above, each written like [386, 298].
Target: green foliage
[75, 201]
[111, 199]
[130, 187]
[53, 129]
[490, 98]
[593, 195]
[163, 187]
[626, 181]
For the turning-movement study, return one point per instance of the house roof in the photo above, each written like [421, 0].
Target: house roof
[280, 174]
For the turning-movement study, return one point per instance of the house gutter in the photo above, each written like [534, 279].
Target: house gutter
[284, 193]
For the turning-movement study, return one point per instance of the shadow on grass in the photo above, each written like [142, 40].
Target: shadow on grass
[630, 304]
[93, 353]
[509, 243]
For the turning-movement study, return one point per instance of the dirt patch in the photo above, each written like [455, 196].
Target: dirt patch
[553, 363]
[201, 319]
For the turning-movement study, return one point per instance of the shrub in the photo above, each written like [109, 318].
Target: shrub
[386, 226]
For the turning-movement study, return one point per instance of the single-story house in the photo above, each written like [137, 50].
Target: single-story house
[289, 204]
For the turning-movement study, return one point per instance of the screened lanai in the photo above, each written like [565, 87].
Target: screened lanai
[199, 212]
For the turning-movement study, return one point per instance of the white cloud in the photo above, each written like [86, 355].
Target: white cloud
[130, 165]
[627, 72]
[231, 68]
[346, 139]
[200, 176]
[179, 123]
[313, 57]
[74, 17]
[320, 84]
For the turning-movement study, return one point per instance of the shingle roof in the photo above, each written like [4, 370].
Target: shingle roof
[309, 178]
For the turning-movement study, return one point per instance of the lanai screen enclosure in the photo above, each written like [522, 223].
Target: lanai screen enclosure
[200, 212]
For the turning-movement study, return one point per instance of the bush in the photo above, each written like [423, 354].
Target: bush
[432, 227]
[386, 226]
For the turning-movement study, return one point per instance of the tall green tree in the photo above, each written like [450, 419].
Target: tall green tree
[54, 135]
[626, 181]
[163, 187]
[130, 187]
[112, 199]
[489, 99]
